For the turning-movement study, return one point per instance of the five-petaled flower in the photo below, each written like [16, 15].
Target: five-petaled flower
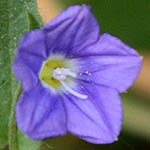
[72, 78]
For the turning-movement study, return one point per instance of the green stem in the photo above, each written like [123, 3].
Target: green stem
[12, 132]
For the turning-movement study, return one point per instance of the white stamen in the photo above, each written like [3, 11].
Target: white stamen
[60, 74]
[72, 91]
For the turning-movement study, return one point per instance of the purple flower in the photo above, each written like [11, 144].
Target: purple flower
[72, 79]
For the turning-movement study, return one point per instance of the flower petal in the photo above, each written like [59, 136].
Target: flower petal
[40, 114]
[109, 45]
[111, 63]
[72, 31]
[32, 49]
[97, 119]
[24, 73]
[119, 72]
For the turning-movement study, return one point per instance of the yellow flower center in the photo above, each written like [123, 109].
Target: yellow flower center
[47, 72]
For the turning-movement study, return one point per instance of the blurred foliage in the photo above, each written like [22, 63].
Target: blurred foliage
[127, 19]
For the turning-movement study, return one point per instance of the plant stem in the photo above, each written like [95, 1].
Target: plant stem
[12, 132]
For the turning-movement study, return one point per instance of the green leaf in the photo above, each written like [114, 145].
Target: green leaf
[14, 23]
[12, 132]
[33, 22]
[27, 144]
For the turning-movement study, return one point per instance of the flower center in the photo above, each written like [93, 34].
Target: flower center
[59, 74]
